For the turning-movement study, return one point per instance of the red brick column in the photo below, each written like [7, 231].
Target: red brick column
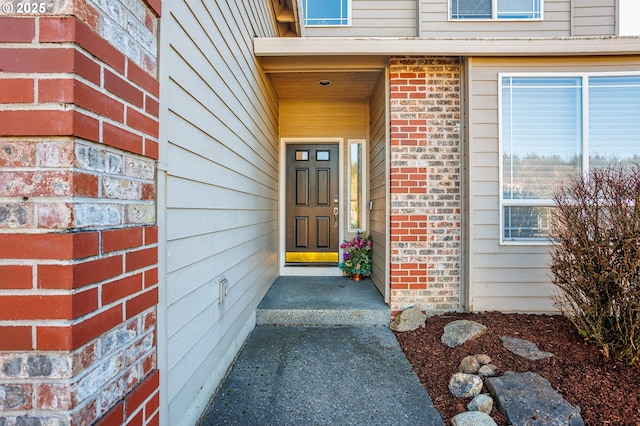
[425, 176]
[78, 241]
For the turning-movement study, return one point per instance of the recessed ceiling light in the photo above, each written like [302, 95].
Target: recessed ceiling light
[324, 82]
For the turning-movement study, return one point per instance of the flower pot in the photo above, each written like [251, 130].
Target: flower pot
[357, 277]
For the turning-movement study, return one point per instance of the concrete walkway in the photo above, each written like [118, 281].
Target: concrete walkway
[339, 374]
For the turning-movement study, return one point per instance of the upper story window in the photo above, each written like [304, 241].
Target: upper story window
[496, 9]
[327, 12]
[554, 127]
[628, 15]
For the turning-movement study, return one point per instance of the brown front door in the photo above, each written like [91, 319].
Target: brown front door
[312, 203]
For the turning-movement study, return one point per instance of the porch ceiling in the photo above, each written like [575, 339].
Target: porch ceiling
[313, 85]
[301, 77]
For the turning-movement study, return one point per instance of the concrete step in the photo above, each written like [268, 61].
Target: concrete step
[322, 301]
[326, 317]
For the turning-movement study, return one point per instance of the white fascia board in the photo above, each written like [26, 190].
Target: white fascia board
[560, 46]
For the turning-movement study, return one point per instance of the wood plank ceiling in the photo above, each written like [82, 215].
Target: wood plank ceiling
[313, 85]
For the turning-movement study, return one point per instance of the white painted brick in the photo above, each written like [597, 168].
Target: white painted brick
[117, 339]
[114, 33]
[54, 396]
[47, 420]
[96, 158]
[143, 214]
[117, 389]
[136, 8]
[54, 215]
[50, 365]
[54, 154]
[16, 215]
[112, 9]
[140, 34]
[122, 23]
[94, 214]
[122, 189]
[140, 168]
[96, 379]
[140, 347]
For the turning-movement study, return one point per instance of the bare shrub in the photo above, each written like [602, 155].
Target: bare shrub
[596, 258]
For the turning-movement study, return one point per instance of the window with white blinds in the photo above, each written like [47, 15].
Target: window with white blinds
[496, 9]
[614, 121]
[553, 127]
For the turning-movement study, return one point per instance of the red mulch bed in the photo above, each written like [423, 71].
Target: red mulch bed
[606, 390]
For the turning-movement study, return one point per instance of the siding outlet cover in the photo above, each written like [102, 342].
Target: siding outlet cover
[223, 288]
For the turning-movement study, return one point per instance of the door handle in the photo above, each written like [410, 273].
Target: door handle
[336, 211]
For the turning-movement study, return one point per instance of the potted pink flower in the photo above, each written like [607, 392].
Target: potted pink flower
[357, 256]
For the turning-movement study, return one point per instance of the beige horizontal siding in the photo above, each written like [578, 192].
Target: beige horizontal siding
[378, 184]
[593, 17]
[435, 22]
[507, 277]
[535, 304]
[220, 129]
[374, 18]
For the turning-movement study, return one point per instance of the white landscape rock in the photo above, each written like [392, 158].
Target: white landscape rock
[524, 348]
[408, 320]
[473, 418]
[458, 332]
[488, 370]
[463, 385]
[469, 365]
[481, 402]
[483, 359]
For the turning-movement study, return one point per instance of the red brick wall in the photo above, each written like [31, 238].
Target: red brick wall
[78, 241]
[425, 176]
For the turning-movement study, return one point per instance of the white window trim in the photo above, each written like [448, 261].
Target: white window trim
[585, 146]
[363, 198]
[628, 12]
[494, 15]
[348, 24]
